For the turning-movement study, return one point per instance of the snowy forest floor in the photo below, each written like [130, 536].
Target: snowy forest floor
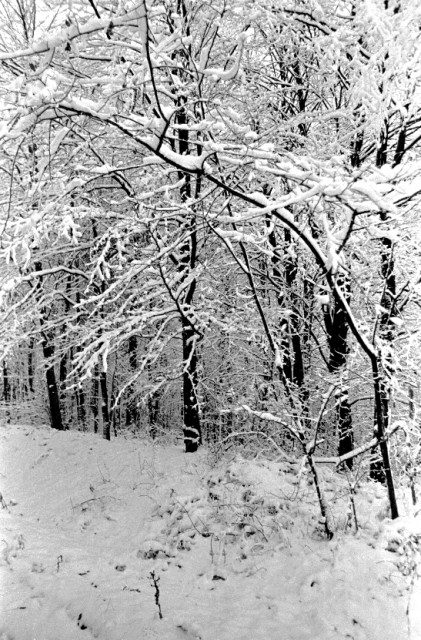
[98, 538]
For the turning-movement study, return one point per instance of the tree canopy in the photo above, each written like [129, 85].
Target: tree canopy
[210, 215]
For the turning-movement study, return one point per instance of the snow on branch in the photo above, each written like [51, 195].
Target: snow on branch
[71, 33]
[374, 442]
[270, 417]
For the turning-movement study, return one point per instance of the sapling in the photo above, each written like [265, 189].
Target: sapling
[352, 478]
[308, 448]
[155, 584]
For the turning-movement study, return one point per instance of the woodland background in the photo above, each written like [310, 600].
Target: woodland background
[210, 225]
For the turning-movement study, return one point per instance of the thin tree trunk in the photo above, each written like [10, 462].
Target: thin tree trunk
[344, 415]
[95, 398]
[153, 407]
[6, 383]
[106, 426]
[31, 366]
[292, 372]
[81, 407]
[114, 408]
[62, 386]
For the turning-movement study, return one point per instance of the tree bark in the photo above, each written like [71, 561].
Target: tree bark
[62, 387]
[48, 352]
[153, 406]
[187, 262]
[95, 399]
[81, 407]
[106, 426]
[383, 472]
[31, 366]
[191, 418]
[336, 325]
[380, 469]
[52, 387]
[6, 383]
[132, 412]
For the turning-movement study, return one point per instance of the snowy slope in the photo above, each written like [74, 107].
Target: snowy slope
[235, 548]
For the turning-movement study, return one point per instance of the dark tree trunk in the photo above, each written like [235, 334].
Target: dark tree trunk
[132, 411]
[31, 366]
[153, 407]
[357, 143]
[95, 399]
[133, 353]
[192, 429]
[6, 383]
[337, 335]
[48, 351]
[62, 387]
[344, 417]
[383, 472]
[81, 408]
[380, 469]
[296, 373]
[66, 402]
[63, 369]
[387, 330]
[187, 262]
[52, 388]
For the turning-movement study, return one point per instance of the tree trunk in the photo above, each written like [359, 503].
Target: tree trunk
[52, 388]
[153, 406]
[114, 412]
[6, 383]
[95, 399]
[132, 411]
[106, 426]
[62, 386]
[344, 415]
[192, 429]
[31, 366]
[187, 262]
[48, 351]
[380, 469]
[383, 471]
[81, 408]
[336, 325]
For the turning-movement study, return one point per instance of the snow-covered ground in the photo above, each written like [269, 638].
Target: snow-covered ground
[91, 531]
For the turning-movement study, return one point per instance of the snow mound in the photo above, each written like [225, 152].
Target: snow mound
[266, 503]
[403, 537]
[129, 540]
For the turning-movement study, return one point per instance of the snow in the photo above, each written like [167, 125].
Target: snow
[186, 162]
[235, 546]
[220, 73]
[67, 35]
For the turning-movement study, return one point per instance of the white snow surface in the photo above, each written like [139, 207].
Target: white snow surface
[236, 545]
